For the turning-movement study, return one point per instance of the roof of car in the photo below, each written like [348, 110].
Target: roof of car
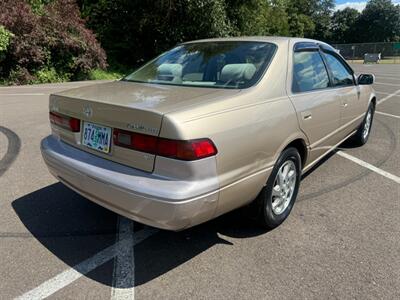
[272, 39]
[251, 38]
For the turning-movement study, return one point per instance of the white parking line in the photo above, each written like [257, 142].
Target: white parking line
[386, 114]
[378, 74]
[124, 262]
[369, 166]
[385, 77]
[384, 83]
[65, 278]
[383, 93]
[389, 96]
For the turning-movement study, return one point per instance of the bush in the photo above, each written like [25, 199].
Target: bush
[48, 75]
[47, 42]
[98, 74]
[19, 75]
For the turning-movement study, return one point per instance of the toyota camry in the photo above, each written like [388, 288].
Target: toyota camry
[207, 127]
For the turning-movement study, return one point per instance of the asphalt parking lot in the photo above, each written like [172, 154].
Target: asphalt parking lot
[342, 240]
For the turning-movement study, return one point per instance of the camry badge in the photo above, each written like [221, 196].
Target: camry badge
[142, 128]
[87, 110]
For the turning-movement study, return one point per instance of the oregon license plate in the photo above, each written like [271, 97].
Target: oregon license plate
[96, 137]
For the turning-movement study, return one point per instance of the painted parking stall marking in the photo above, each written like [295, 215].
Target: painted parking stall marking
[385, 83]
[385, 93]
[389, 96]
[365, 164]
[386, 114]
[369, 166]
[123, 286]
[67, 277]
[386, 77]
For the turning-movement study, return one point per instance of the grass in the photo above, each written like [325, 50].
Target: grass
[99, 74]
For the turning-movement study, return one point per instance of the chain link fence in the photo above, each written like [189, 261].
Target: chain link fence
[390, 52]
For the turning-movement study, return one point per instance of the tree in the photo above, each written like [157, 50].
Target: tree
[310, 18]
[379, 22]
[133, 31]
[343, 25]
[321, 16]
[257, 17]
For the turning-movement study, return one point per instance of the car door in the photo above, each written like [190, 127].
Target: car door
[316, 103]
[347, 90]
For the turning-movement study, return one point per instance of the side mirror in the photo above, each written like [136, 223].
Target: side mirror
[366, 79]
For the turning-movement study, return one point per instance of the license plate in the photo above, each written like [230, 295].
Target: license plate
[96, 137]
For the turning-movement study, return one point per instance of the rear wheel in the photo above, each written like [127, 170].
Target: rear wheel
[277, 198]
[362, 134]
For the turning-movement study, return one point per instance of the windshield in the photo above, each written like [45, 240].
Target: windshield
[209, 64]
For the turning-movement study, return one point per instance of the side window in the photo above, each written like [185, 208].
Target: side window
[309, 72]
[341, 75]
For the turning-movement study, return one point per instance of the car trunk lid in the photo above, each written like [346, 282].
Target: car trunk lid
[124, 105]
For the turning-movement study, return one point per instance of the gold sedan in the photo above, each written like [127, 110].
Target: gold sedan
[207, 127]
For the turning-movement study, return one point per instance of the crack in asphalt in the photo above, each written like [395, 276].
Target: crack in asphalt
[14, 146]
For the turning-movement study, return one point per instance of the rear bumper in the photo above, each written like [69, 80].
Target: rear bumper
[155, 200]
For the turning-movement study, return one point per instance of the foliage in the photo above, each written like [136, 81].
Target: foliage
[270, 19]
[56, 39]
[99, 74]
[47, 40]
[379, 22]
[38, 5]
[322, 17]
[309, 18]
[48, 75]
[5, 38]
[134, 31]
[344, 25]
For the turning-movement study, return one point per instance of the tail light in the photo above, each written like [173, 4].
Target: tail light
[177, 149]
[69, 123]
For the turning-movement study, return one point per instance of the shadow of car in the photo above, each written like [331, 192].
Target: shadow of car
[74, 229]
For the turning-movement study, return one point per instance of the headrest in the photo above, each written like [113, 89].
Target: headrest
[170, 69]
[237, 72]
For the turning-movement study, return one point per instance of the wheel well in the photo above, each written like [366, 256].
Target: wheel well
[300, 145]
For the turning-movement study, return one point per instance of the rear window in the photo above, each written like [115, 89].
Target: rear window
[233, 64]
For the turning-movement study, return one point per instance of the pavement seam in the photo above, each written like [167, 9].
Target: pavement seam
[123, 281]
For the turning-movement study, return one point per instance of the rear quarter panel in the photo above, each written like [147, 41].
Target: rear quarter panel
[249, 130]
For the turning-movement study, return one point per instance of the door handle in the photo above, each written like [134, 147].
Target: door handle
[307, 115]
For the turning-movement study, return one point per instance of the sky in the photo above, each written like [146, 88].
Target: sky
[357, 4]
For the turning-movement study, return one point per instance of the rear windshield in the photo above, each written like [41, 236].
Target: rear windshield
[208, 64]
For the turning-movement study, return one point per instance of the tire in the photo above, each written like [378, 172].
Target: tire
[268, 213]
[362, 134]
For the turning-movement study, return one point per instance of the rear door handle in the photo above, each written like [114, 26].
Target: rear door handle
[307, 115]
